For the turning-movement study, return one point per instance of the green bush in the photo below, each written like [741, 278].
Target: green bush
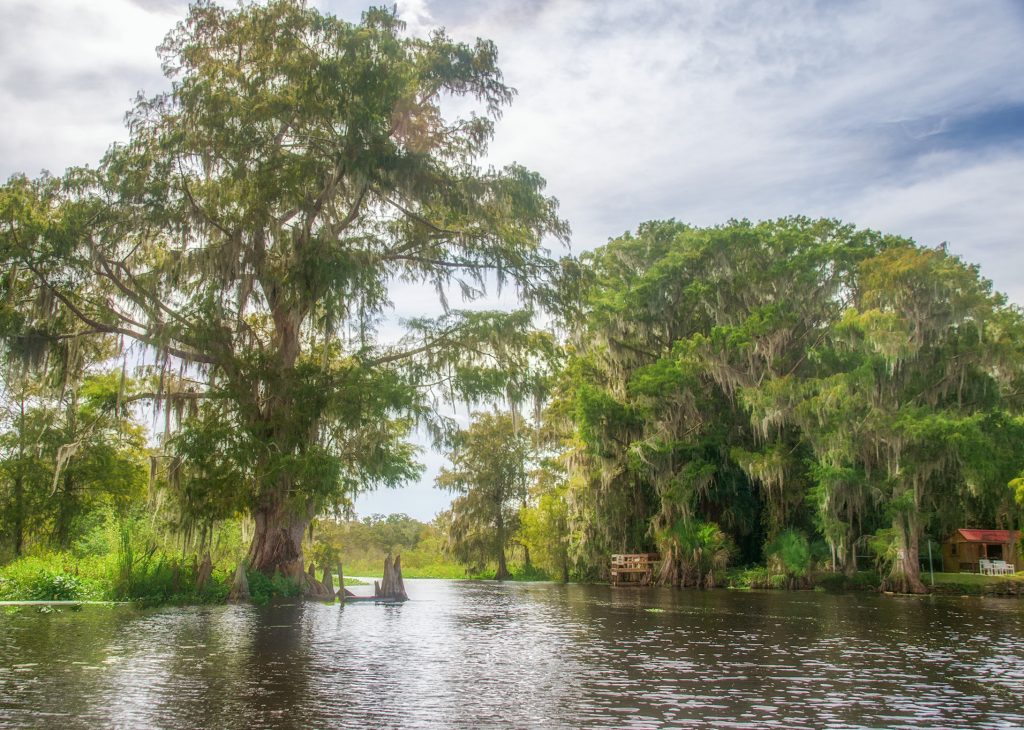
[789, 554]
[528, 572]
[44, 586]
[57, 587]
[747, 578]
[263, 588]
[756, 577]
[48, 577]
[864, 580]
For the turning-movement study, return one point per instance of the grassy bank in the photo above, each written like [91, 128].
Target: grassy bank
[972, 584]
[760, 578]
[446, 571]
[952, 584]
[62, 576]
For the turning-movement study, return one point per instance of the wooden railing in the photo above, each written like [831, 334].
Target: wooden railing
[633, 568]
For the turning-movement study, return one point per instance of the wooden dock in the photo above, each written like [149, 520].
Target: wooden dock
[634, 569]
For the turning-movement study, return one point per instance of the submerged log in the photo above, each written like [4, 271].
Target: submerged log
[204, 572]
[240, 585]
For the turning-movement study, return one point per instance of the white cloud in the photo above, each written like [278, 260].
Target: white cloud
[416, 15]
[974, 204]
[710, 110]
[70, 69]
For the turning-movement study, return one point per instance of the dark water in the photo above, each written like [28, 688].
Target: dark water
[527, 655]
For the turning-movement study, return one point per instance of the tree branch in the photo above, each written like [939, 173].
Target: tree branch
[115, 330]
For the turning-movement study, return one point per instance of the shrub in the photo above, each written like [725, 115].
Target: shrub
[747, 578]
[47, 577]
[529, 572]
[789, 554]
[864, 580]
[701, 549]
[263, 588]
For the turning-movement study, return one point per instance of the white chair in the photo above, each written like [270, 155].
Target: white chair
[985, 567]
[1001, 567]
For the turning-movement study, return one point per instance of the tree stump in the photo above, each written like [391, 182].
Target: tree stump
[399, 584]
[327, 582]
[239, 585]
[312, 588]
[391, 587]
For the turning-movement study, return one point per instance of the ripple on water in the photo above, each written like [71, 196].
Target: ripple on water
[489, 655]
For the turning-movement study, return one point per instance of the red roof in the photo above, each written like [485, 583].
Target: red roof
[989, 535]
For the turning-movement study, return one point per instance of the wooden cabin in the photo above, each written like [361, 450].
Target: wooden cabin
[962, 551]
[636, 569]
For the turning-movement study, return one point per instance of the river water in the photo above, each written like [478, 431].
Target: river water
[477, 655]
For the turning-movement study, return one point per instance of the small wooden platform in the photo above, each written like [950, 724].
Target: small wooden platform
[633, 569]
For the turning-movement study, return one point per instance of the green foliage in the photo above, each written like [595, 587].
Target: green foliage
[247, 232]
[862, 580]
[360, 546]
[45, 578]
[490, 463]
[125, 561]
[757, 577]
[789, 375]
[789, 553]
[543, 521]
[694, 553]
[265, 588]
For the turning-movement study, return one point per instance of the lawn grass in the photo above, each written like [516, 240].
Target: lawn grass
[975, 584]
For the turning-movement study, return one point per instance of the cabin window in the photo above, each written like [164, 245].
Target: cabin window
[952, 549]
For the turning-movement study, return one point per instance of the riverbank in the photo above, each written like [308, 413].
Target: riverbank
[164, 581]
[945, 584]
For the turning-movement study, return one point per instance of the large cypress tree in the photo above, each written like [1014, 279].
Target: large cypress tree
[246, 236]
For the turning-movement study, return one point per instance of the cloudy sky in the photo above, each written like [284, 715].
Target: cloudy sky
[902, 116]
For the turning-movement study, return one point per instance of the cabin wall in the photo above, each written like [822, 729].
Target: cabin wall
[966, 556]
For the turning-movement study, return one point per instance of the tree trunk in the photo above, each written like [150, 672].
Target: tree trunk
[18, 529]
[850, 559]
[239, 586]
[19, 486]
[398, 582]
[905, 576]
[277, 542]
[502, 573]
[65, 511]
[204, 572]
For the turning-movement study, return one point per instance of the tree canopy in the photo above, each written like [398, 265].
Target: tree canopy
[245, 237]
[792, 374]
[490, 465]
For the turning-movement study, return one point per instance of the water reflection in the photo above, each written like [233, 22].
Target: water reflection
[526, 655]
